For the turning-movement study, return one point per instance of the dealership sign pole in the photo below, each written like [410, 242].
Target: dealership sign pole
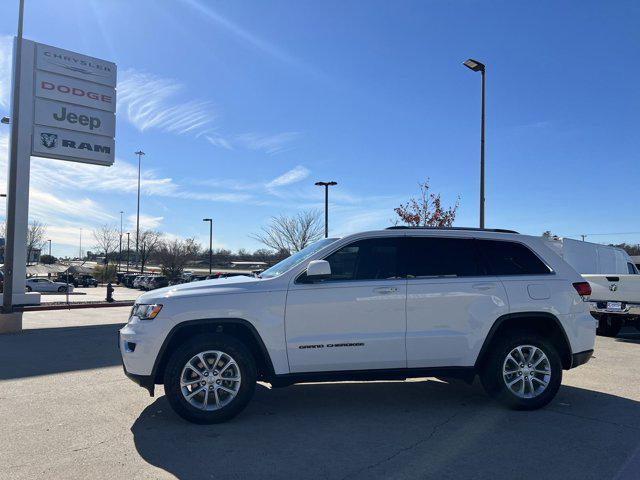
[63, 108]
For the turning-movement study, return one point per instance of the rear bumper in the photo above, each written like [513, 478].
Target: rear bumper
[581, 358]
[629, 309]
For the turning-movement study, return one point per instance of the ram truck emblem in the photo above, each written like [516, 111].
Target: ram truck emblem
[613, 287]
[49, 140]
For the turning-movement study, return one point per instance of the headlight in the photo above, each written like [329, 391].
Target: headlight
[145, 311]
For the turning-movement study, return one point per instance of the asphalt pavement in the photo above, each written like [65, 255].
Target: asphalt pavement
[67, 411]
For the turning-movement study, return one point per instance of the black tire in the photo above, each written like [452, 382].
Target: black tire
[29, 288]
[609, 326]
[494, 383]
[185, 352]
[62, 289]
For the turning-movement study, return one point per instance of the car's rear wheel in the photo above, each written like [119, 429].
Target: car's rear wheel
[609, 326]
[523, 371]
[62, 289]
[29, 288]
[210, 379]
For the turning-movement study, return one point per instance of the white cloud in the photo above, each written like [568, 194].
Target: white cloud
[292, 176]
[6, 53]
[151, 102]
[270, 144]
[147, 222]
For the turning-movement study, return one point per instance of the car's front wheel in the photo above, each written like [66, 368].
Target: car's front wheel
[62, 289]
[210, 379]
[523, 371]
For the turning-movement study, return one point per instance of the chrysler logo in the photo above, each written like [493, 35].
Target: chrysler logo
[613, 287]
[49, 140]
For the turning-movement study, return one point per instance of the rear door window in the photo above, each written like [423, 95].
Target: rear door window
[510, 258]
[441, 257]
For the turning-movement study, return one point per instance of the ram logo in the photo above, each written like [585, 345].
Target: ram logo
[49, 140]
[613, 287]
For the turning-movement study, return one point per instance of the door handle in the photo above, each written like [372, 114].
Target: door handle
[483, 286]
[385, 290]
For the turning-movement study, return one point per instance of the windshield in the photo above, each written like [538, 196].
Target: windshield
[296, 259]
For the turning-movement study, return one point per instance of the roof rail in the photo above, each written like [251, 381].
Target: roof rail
[474, 229]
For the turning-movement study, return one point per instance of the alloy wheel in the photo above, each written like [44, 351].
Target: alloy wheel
[210, 380]
[526, 371]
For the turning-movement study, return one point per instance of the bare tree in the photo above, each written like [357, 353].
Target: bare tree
[149, 241]
[174, 255]
[107, 239]
[35, 236]
[427, 210]
[291, 233]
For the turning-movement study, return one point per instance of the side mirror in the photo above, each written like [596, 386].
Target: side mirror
[318, 269]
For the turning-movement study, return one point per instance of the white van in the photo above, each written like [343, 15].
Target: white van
[592, 258]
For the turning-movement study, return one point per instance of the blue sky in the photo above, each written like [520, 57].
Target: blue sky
[241, 106]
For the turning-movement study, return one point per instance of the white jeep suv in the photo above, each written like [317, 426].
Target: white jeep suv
[391, 304]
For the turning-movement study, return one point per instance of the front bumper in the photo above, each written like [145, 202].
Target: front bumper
[145, 381]
[581, 358]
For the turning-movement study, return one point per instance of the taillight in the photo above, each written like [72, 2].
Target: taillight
[583, 288]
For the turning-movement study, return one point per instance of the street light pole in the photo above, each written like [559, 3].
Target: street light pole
[120, 247]
[210, 220]
[480, 67]
[49, 247]
[128, 251]
[139, 153]
[326, 186]
[80, 249]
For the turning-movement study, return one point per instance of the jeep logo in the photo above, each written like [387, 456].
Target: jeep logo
[84, 120]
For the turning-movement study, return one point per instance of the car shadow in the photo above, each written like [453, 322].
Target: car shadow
[629, 335]
[43, 351]
[425, 429]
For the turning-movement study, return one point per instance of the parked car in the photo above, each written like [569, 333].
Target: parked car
[197, 278]
[390, 304]
[129, 278]
[158, 281]
[142, 285]
[614, 279]
[85, 281]
[137, 280]
[46, 285]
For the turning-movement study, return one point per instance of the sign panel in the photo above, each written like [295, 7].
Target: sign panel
[74, 146]
[57, 60]
[71, 90]
[74, 117]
